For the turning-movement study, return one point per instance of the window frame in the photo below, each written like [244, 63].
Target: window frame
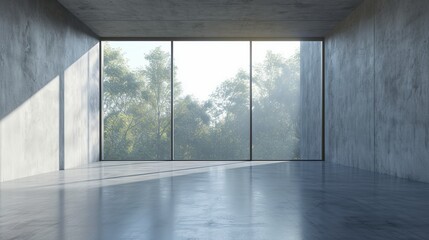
[172, 40]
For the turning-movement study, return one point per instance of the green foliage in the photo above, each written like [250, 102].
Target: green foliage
[137, 107]
[276, 105]
[137, 112]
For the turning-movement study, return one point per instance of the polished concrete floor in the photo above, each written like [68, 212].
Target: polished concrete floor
[214, 200]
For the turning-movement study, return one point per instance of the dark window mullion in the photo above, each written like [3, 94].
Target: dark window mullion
[251, 101]
[172, 102]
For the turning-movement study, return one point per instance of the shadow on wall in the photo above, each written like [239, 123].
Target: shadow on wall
[48, 86]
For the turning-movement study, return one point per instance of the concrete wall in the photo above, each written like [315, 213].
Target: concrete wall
[349, 96]
[44, 50]
[311, 101]
[377, 88]
[81, 115]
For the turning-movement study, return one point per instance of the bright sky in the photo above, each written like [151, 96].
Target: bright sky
[203, 65]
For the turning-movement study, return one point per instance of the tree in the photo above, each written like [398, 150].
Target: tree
[121, 87]
[276, 102]
[191, 129]
[229, 112]
[120, 84]
[158, 96]
[137, 105]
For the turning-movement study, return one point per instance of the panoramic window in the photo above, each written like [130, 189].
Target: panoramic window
[136, 99]
[210, 100]
[276, 92]
[287, 91]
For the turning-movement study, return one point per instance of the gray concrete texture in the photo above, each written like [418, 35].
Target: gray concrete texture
[349, 91]
[43, 49]
[211, 18]
[214, 200]
[311, 100]
[377, 89]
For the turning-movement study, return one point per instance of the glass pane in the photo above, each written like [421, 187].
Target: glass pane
[279, 88]
[211, 101]
[311, 100]
[137, 100]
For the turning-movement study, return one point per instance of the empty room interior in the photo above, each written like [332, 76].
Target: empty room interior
[214, 119]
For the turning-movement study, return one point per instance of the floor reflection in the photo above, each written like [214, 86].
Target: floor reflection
[276, 200]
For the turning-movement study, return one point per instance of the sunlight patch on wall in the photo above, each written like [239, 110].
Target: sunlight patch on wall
[31, 133]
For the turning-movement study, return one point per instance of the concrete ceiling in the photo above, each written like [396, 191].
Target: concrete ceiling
[211, 18]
